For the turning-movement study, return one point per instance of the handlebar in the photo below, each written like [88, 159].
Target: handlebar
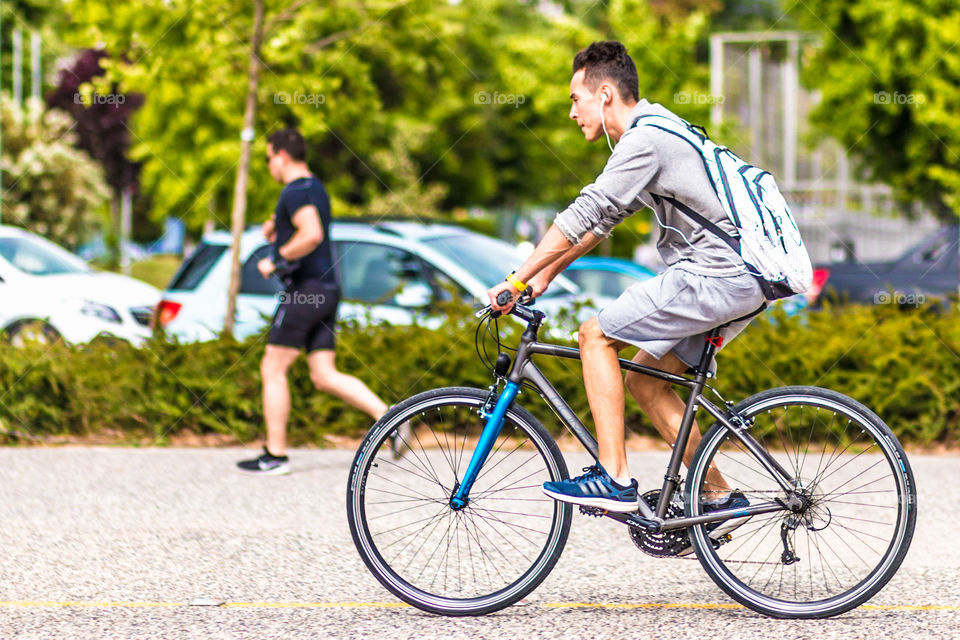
[519, 309]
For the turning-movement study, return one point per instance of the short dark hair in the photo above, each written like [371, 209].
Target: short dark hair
[289, 140]
[608, 60]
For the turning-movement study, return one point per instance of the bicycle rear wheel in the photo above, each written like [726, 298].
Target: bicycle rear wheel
[851, 539]
[476, 560]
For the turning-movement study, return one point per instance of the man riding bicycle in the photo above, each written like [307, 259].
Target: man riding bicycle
[705, 285]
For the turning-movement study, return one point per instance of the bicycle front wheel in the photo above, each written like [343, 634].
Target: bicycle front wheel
[472, 561]
[847, 543]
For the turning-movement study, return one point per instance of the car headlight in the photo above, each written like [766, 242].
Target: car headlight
[101, 311]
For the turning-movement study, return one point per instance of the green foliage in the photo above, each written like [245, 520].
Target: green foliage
[410, 107]
[50, 187]
[902, 365]
[889, 73]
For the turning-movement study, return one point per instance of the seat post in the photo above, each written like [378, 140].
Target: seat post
[711, 344]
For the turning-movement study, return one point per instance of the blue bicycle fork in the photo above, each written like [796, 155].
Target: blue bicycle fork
[489, 436]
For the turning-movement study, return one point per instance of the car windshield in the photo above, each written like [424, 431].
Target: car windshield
[487, 259]
[40, 257]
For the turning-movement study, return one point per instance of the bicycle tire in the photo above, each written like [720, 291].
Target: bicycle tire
[503, 546]
[847, 503]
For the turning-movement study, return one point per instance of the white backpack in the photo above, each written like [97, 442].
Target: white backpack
[769, 241]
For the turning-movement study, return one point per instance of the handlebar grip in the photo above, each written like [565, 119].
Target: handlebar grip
[503, 298]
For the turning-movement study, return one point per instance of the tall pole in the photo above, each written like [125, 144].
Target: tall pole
[790, 70]
[716, 80]
[35, 73]
[18, 66]
[755, 100]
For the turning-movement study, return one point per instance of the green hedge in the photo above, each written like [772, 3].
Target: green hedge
[904, 365]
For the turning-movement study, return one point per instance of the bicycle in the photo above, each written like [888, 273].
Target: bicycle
[459, 526]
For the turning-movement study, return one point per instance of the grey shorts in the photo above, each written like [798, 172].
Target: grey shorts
[675, 311]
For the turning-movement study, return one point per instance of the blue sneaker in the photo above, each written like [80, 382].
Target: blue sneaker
[595, 488]
[716, 530]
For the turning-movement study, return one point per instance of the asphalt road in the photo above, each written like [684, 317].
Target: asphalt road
[117, 542]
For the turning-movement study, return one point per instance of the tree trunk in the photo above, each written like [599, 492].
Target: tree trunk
[126, 225]
[113, 242]
[238, 216]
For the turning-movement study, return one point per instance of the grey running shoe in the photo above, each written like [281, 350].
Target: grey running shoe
[400, 440]
[266, 465]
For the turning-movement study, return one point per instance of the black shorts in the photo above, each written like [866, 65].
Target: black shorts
[306, 316]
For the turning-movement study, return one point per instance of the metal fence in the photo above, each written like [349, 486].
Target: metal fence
[762, 110]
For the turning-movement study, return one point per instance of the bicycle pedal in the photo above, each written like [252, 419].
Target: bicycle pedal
[592, 511]
[716, 543]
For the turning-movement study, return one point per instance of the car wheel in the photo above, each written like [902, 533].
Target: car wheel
[31, 331]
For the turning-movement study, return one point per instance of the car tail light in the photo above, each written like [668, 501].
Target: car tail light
[819, 279]
[167, 310]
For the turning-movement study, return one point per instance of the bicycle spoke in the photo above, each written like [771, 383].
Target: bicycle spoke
[413, 473]
[847, 478]
[491, 543]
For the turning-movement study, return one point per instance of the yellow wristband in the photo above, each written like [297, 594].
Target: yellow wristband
[515, 281]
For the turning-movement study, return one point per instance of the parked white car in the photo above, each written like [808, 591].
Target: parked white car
[47, 293]
[390, 272]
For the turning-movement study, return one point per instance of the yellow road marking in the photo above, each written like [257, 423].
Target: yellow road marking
[397, 605]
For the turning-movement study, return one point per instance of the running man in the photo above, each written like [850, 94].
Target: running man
[705, 285]
[305, 319]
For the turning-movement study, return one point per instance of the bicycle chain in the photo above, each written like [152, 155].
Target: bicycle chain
[665, 544]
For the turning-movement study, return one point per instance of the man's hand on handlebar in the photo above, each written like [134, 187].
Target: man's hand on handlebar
[502, 297]
[537, 285]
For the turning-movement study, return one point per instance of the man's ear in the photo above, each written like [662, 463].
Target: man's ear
[606, 89]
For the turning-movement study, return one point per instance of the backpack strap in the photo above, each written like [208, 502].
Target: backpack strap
[674, 128]
[731, 241]
[761, 309]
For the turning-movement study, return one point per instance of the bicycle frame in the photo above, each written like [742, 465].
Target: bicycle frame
[524, 370]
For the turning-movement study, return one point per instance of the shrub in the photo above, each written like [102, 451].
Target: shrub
[902, 365]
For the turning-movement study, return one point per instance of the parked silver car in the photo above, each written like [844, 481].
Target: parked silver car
[390, 272]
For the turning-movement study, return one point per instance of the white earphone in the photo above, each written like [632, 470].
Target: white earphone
[603, 99]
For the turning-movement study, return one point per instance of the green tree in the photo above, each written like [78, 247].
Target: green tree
[889, 74]
[50, 186]
[410, 107]
[390, 96]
